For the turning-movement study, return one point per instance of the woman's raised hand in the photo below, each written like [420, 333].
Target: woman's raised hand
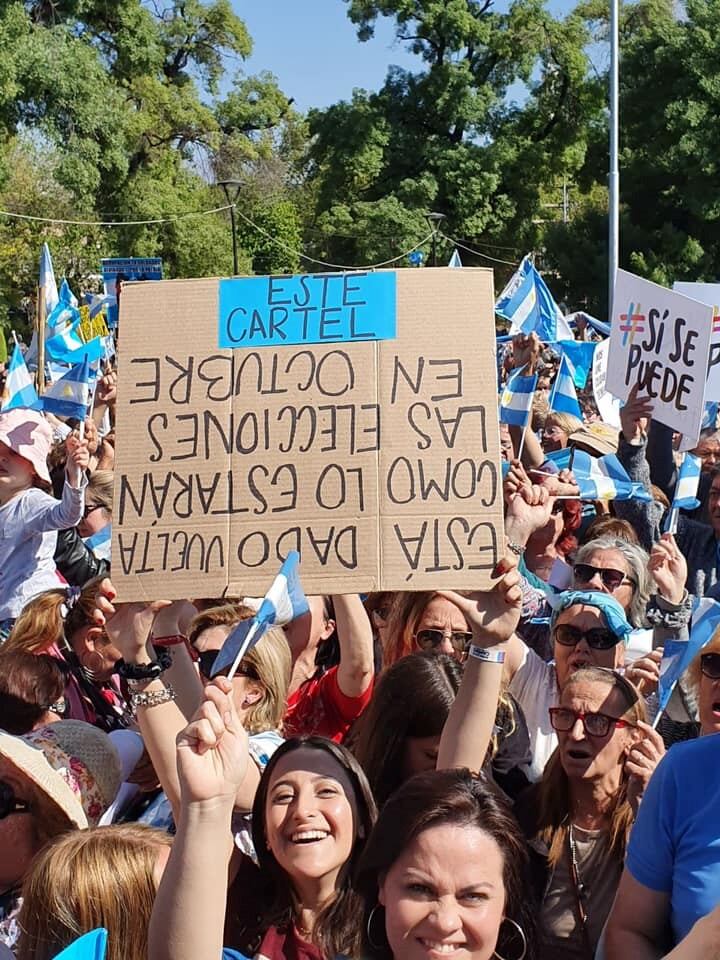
[668, 568]
[212, 754]
[493, 614]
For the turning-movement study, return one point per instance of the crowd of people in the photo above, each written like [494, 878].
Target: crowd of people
[394, 775]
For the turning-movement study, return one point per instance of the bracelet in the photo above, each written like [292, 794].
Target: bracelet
[515, 548]
[173, 640]
[144, 671]
[489, 656]
[152, 699]
[139, 683]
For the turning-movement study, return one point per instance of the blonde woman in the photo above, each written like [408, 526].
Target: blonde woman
[102, 877]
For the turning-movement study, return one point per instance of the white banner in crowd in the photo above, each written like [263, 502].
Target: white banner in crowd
[660, 340]
[707, 293]
[607, 404]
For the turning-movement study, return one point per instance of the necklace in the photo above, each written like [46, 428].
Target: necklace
[580, 888]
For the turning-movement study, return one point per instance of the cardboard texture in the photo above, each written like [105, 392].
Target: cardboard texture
[378, 461]
[661, 341]
[708, 293]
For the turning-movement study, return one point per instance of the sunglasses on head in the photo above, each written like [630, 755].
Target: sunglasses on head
[563, 719]
[432, 639]
[597, 638]
[207, 659]
[710, 665]
[612, 579]
[9, 803]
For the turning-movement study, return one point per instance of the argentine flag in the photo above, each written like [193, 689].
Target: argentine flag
[517, 400]
[19, 387]
[65, 311]
[685, 496]
[47, 281]
[69, 396]
[563, 397]
[284, 601]
[455, 260]
[580, 354]
[679, 654]
[63, 344]
[528, 305]
[599, 478]
[100, 542]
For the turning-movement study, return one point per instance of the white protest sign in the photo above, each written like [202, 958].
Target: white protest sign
[707, 293]
[660, 340]
[607, 404]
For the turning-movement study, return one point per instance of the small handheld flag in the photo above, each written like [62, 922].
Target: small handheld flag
[69, 396]
[685, 496]
[19, 387]
[517, 400]
[455, 260]
[599, 478]
[284, 601]
[62, 345]
[564, 397]
[528, 305]
[679, 654]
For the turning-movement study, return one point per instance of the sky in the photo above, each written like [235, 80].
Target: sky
[312, 48]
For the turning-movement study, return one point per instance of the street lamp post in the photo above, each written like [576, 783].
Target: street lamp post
[434, 220]
[614, 172]
[236, 185]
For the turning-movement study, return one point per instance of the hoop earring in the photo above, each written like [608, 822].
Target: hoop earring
[368, 925]
[90, 672]
[522, 937]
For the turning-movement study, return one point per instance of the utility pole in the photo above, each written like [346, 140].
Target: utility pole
[236, 186]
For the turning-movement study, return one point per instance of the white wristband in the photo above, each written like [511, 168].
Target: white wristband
[490, 656]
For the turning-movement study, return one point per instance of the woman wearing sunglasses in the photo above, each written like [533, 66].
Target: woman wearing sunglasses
[578, 818]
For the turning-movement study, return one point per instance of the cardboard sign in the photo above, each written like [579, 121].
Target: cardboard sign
[660, 340]
[707, 293]
[377, 460]
[607, 404]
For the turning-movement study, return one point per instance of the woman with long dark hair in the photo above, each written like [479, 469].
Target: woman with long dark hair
[313, 812]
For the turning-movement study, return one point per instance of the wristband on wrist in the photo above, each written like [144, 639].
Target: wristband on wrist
[145, 671]
[153, 698]
[173, 640]
[489, 656]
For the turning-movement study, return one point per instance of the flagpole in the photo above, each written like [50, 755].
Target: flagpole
[243, 649]
[40, 321]
[14, 336]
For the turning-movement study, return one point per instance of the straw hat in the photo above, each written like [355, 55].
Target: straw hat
[73, 763]
[29, 434]
[595, 438]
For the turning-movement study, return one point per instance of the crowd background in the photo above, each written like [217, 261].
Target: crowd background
[396, 775]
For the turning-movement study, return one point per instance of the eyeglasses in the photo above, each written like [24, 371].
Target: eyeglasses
[563, 719]
[430, 639]
[207, 659]
[9, 803]
[91, 508]
[612, 579]
[710, 665]
[597, 638]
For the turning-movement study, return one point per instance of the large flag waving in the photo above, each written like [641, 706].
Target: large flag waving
[599, 478]
[284, 601]
[529, 306]
[47, 283]
[19, 387]
[69, 396]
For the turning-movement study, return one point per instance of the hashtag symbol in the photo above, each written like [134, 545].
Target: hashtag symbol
[631, 323]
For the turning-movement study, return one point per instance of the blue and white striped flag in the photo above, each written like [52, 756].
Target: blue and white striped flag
[599, 478]
[284, 601]
[517, 400]
[63, 344]
[69, 396]
[564, 397]
[47, 281]
[455, 260]
[65, 311]
[685, 496]
[529, 306]
[19, 387]
[679, 654]
[100, 542]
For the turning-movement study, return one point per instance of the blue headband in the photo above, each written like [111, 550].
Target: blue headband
[608, 606]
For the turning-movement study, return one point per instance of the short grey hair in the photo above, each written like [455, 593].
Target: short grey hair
[637, 561]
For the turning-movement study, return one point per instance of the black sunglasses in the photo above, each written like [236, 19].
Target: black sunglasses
[91, 509]
[207, 659]
[431, 639]
[710, 665]
[597, 638]
[563, 719]
[612, 579]
[9, 803]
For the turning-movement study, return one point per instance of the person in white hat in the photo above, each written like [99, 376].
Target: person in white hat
[57, 778]
[29, 516]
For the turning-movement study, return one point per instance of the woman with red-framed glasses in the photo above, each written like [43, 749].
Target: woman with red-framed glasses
[578, 818]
